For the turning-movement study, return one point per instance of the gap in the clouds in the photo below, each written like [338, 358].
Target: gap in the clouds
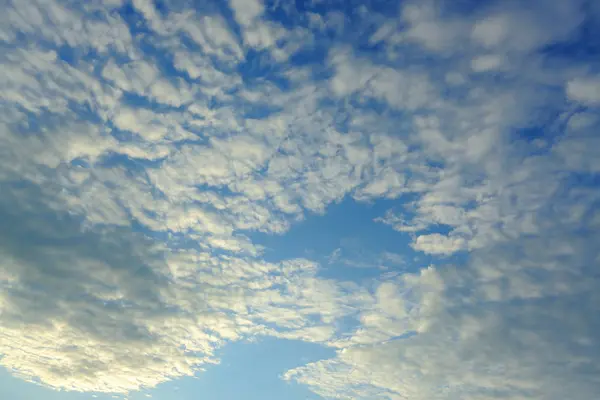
[161, 7]
[250, 111]
[134, 20]
[131, 165]
[315, 57]
[120, 134]
[347, 242]
[289, 14]
[257, 67]
[73, 56]
[67, 54]
[249, 371]
[545, 127]
[139, 101]
[259, 365]
[583, 180]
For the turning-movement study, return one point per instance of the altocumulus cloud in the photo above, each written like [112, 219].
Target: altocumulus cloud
[143, 145]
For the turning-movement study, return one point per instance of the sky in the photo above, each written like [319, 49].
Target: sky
[248, 199]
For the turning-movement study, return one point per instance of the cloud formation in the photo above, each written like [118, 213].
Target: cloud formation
[142, 147]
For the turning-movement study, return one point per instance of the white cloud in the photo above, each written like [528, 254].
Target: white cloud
[399, 89]
[438, 244]
[123, 292]
[258, 33]
[585, 90]
[135, 76]
[139, 237]
[213, 35]
[488, 62]
[147, 9]
[63, 24]
[517, 28]
[491, 31]
[247, 11]
[427, 28]
[577, 148]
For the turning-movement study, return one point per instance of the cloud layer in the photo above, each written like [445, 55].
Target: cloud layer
[143, 145]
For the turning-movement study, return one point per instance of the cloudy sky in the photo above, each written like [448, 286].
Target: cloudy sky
[387, 200]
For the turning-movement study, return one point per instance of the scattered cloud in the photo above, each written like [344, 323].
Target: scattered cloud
[142, 148]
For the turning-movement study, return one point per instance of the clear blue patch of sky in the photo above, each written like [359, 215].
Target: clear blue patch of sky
[249, 371]
[350, 226]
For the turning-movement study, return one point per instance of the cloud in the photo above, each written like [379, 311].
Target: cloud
[488, 62]
[247, 11]
[584, 90]
[257, 32]
[503, 26]
[438, 244]
[498, 328]
[60, 24]
[85, 310]
[141, 150]
[399, 89]
[212, 34]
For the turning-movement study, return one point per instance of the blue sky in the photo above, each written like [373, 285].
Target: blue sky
[250, 199]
